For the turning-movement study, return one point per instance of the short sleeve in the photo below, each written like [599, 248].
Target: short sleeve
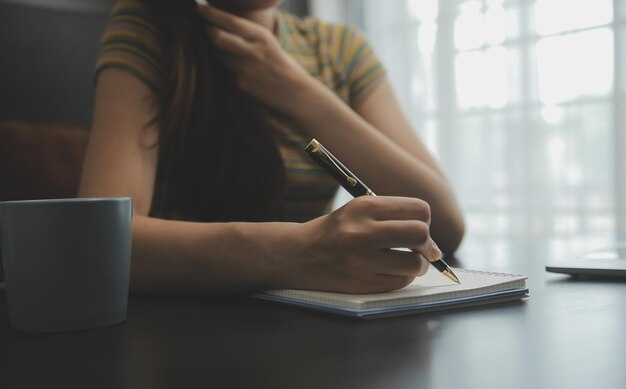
[356, 59]
[131, 42]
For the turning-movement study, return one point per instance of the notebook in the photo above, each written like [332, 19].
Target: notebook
[431, 291]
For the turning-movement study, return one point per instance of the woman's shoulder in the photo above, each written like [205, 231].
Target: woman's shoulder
[316, 30]
[341, 48]
[131, 15]
[132, 11]
[131, 7]
[131, 22]
[129, 4]
[132, 42]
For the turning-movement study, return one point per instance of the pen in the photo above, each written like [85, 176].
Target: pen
[357, 188]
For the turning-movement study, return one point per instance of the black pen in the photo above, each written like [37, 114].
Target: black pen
[357, 188]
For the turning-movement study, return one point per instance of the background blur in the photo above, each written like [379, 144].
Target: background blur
[521, 100]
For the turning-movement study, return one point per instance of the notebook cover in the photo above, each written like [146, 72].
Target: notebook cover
[398, 310]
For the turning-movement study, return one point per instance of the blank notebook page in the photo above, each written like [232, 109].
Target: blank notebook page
[431, 287]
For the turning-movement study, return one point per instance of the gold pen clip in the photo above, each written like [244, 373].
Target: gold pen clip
[315, 147]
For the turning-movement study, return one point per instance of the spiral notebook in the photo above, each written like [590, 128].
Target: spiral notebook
[431, 291]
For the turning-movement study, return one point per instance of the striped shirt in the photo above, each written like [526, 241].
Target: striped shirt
[336, 55]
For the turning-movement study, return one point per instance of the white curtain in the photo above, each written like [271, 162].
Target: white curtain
[521, 102]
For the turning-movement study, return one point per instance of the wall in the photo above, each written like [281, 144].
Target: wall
[48, 49]
[46, 62]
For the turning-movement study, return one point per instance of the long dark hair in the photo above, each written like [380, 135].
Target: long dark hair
[218, 158]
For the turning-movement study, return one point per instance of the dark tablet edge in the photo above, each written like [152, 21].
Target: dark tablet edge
[578, 271]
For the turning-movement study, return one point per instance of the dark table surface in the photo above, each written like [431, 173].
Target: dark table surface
[570, 333]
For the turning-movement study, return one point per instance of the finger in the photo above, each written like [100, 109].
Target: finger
[410, 234]
[400, 263]
[228, 42]
[395, 208]
[404, 208]
[229, 22]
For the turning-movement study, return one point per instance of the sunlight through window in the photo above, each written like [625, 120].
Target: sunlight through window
[518, 100]
[556, 16]
[552, 114]
[469, 30]
[571, 66]
[427, 37]
[424, 10]
[495, 25]
[482, 78]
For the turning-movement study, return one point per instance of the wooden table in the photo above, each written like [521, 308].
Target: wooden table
[570, 333]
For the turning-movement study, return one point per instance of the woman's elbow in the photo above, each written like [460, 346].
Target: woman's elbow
[449, 234]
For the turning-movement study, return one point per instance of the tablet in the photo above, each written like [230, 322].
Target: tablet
[606, 262]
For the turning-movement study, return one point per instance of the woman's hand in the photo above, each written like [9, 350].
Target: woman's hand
[349, 250]
[261, 67]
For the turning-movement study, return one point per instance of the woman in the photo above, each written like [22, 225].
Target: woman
[201, 116]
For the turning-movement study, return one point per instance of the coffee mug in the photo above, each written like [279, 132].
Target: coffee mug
[66, 262]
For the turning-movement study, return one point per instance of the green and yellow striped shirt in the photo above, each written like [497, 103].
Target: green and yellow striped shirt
[337, 55]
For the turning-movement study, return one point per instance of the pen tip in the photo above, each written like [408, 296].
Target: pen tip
[450, 274]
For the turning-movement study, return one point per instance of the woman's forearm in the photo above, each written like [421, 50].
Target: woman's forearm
[187, 257]
[345, 251]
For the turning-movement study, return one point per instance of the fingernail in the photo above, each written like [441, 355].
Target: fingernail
[435, 252]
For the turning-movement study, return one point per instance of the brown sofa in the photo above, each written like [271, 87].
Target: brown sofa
[40, 161]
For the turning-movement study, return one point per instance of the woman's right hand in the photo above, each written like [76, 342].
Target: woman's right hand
[350, 250]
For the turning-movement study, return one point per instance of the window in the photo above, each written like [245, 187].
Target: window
[520, 101]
